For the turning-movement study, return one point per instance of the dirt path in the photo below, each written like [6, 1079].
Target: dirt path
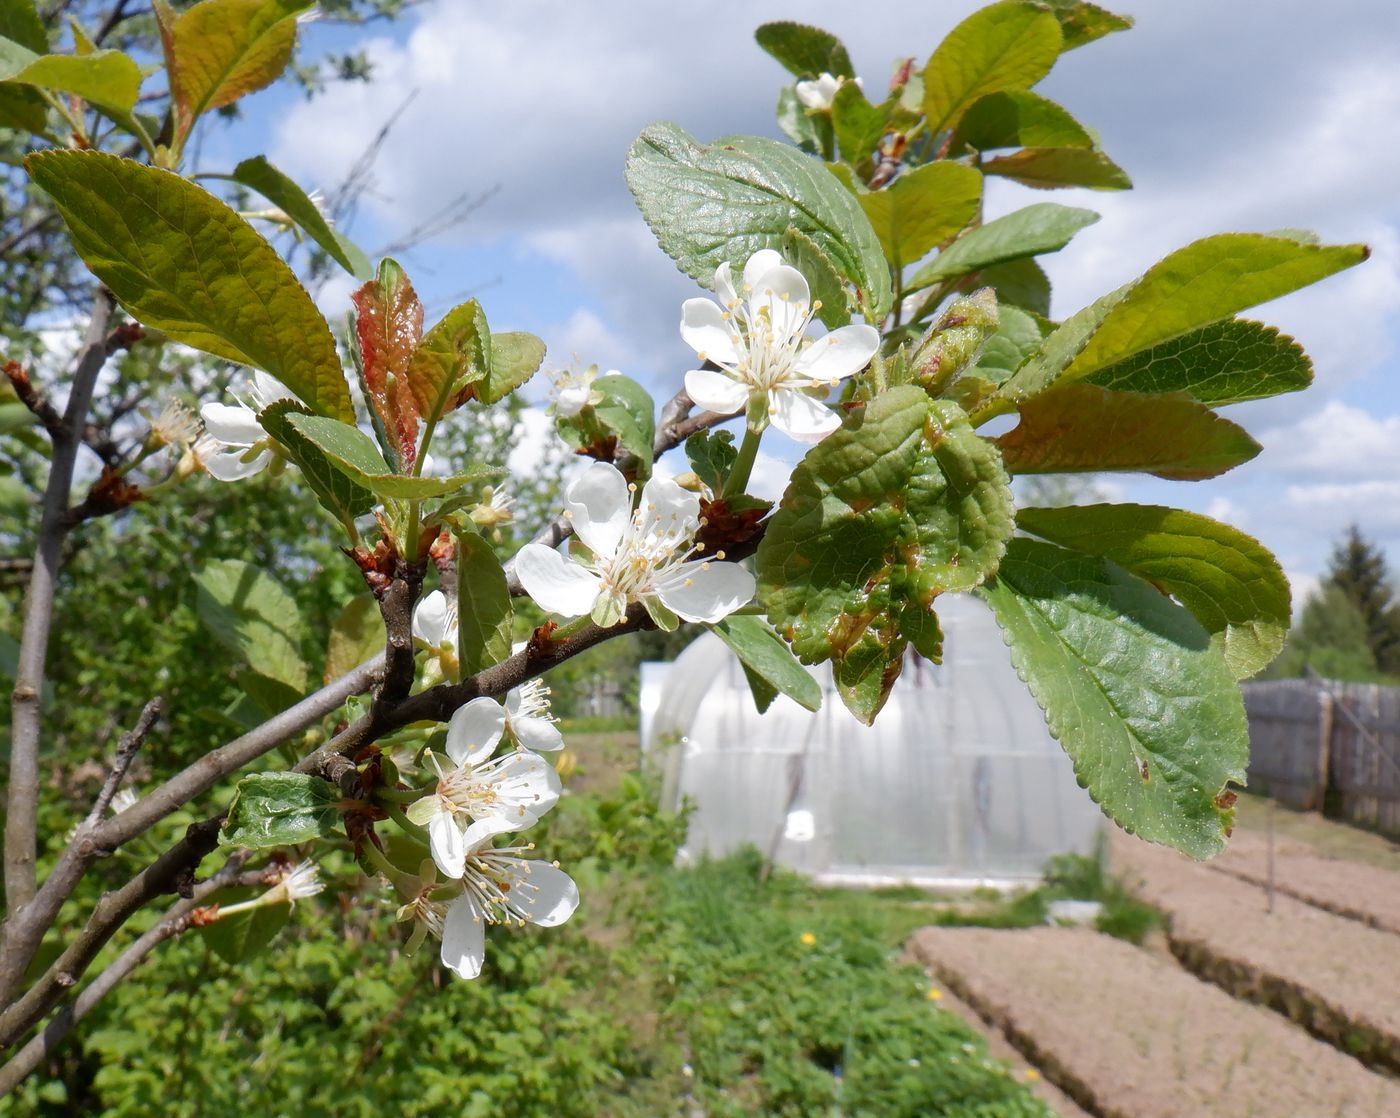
[1130, 1035]
[1337, 977]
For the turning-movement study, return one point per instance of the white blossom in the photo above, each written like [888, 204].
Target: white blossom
[435, 628]
[573, 391]
[643, 556]
[819, 93]
[235, 445]
[507, 794]
[499, 886]
[759, 340]
[175, 426]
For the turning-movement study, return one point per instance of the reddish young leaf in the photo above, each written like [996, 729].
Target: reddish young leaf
[388, 324]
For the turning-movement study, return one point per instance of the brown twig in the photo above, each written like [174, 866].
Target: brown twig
[127, 746]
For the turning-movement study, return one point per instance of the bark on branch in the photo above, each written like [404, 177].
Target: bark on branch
[23, 794]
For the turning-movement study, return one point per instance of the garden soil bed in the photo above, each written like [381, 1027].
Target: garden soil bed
[1337, 977]
[1350, 889]
[1128, 1034]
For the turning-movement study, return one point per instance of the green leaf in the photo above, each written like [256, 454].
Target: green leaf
[1018, 335]
[23, 109]
[452, 355]
[354, 454]
[184, 263]
[823, 280]
[1082, 22]
[1019, 119]
[484, 611]
[1131, 687]
[627, 410]
[1224, 363]
[280, 809]
[106, 79]
[1047, 168]
[287, 196]
[244, 935]
[515, 357]
[20, 22]
[1079, 427]
[1019, 283]
[726, 201]
[1042, 227]
[805, 51]
[1010, 45]
[1195, 286]
[221, 50]
[1204, 282]
[270, 696]
[339, 495]
[249, 613]
[356, 635]
[811, 132]
[922, 208]
[711, 455]
[763, 653]
[843, 559]
[1228, 580]
[858, 124]
[762, 691]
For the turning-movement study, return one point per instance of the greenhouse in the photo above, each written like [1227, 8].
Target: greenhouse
[958, 783]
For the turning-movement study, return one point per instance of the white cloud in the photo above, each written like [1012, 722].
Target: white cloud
[1337, 441]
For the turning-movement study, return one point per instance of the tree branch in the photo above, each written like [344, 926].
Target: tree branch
[24, 930]
[23, 795]
[175, 921]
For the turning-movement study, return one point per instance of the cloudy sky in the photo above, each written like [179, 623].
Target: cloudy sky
[1230, 115]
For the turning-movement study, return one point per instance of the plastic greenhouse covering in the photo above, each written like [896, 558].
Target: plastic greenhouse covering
[958, 783]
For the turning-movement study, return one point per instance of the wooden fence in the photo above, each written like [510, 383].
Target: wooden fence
[1324, 746]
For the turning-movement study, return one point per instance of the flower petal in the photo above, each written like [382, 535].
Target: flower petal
[481, 832]
[800, 417]
[232, 426]
[724, 286]
[266, 389]
[764, 260]
[668, 510]
[526, 787]
[430, 620]
[839, 354]
[463, 938]
[543, 894]
[716, 392]
[558, 585]
[231, 466]
[784, 294]
[600, 507]
[539, 734]
[448, 845]
[475, 730]
[706, 591]
[706, 330]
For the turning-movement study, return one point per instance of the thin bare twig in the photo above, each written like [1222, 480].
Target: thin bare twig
[130, 742]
